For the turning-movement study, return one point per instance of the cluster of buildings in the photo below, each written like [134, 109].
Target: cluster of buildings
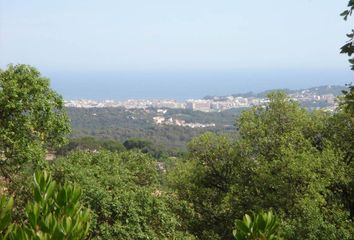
[218, 104]
[195, 105]
[128, 104]
[307, 96]
[214, 104]
[310, 98]
[160, 120]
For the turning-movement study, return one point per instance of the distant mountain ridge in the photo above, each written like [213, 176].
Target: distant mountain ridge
[336, 90]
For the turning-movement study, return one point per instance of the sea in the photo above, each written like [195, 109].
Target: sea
[182, 85]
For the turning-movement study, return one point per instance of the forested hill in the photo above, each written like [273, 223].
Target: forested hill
[336, 90]
[291, 167]
[172, 129]
[121, 124]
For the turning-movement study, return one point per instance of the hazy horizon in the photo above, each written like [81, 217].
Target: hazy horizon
[176, 49]
[182, 85]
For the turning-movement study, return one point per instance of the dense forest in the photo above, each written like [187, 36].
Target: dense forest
[279, 172]
[122, 124]
[282, 169]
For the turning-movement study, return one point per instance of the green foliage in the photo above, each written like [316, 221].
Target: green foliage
[145, 146]
[123, 191]
[55, 213]
[296, 168]
[348, 48]
[32, 117]
[135, 143]
[340, 131]
[203, 182]
[347, 101]
[283, 160]
[5, 213]
[121, 124]
[263, 226]
[266, 129]
[91, 144]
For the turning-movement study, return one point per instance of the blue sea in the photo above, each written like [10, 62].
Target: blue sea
[181, 85]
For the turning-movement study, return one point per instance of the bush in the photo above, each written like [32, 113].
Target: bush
[55, 213]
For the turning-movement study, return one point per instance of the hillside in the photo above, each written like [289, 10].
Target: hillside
[121, 124]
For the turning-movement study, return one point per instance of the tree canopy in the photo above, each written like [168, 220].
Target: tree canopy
[292, 166]
[55, 212]
[123, 191]
[284, 160]
[348, 48]
[32, 117]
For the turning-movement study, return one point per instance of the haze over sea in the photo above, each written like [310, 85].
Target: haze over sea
[181, 85]
[117, 49]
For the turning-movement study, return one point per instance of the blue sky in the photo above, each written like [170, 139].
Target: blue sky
[165, 35]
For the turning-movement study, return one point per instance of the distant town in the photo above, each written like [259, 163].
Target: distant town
[320, 97]
[159, 110]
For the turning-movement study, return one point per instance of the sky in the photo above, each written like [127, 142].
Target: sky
[139, 48]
